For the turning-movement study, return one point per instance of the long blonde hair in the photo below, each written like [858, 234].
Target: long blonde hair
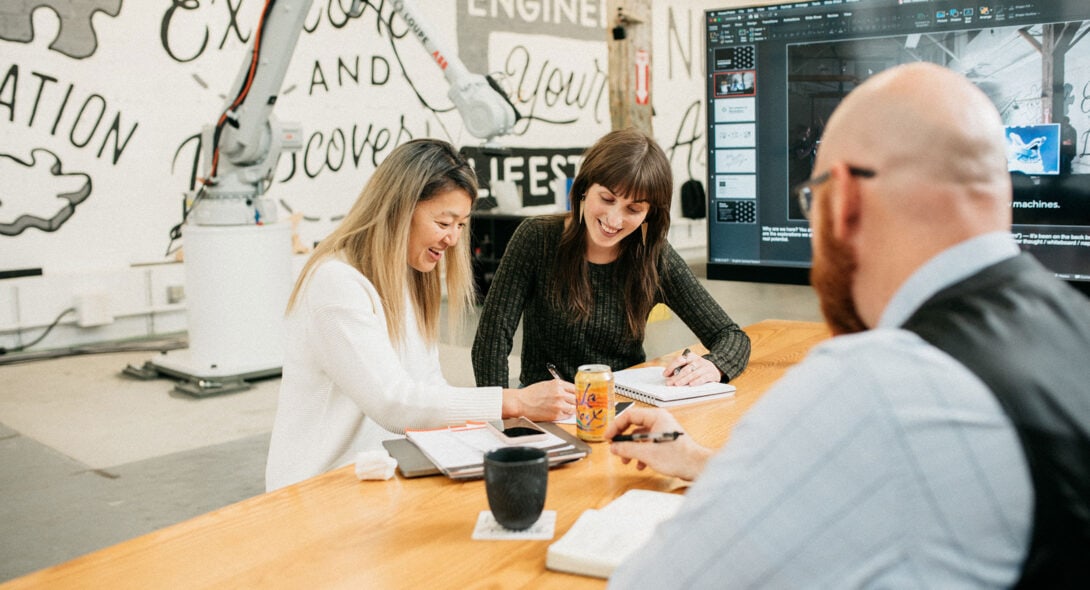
[374, 236]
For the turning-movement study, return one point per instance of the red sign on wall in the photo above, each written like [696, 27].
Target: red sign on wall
[643, 76]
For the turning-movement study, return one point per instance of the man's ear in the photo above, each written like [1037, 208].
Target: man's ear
[847, 203]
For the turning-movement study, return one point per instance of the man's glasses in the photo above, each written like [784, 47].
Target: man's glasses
[804, 191]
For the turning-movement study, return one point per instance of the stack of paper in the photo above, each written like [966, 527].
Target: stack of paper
[458, 452]
[601, 539]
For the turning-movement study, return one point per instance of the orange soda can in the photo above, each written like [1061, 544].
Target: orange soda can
[593, 402]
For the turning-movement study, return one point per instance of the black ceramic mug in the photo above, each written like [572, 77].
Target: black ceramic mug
[515, 479]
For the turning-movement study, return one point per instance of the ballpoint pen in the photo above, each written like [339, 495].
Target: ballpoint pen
[647, 437]
[552, 371]
[684, 354]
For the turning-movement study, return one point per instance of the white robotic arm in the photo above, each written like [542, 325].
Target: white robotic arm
[486, 111]
[241, 150]
[237, 260]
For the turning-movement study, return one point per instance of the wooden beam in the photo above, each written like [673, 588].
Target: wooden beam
[630, 86]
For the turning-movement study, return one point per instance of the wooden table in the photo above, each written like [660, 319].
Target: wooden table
[334, 531]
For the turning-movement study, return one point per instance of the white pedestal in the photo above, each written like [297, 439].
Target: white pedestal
[237, 282]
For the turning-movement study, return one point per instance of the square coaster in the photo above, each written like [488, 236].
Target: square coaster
[488, 529]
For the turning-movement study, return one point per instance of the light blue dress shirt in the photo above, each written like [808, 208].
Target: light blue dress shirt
[877, 462]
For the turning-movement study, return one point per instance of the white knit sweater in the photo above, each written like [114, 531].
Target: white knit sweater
[346, 387]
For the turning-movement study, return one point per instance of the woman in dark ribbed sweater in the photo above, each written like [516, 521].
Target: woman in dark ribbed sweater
[583, 283]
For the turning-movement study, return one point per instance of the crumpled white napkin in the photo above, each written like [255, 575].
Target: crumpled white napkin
[375, 465]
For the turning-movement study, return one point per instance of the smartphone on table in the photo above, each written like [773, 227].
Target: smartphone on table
[515, 431]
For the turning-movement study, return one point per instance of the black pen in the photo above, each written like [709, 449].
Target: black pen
[552, 371]
[647, 437]
[683, 355]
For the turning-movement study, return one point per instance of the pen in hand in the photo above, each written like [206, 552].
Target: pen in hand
[552, 371]
[647, 437]
[684, 354]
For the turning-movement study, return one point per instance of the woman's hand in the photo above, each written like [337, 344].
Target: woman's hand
[543, 401]
[691, 369]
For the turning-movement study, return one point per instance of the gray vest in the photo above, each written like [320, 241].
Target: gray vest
[1026, 335]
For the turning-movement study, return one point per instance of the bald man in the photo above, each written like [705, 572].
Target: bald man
[940, 440]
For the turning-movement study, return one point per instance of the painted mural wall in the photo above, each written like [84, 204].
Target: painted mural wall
[102, 102]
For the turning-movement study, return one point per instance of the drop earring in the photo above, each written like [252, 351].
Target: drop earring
[643, 234]
[580, 211]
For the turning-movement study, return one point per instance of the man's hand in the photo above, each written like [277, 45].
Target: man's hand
[684, 457]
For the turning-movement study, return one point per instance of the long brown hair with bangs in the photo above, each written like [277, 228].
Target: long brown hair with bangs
[632, 165]
[374, 237]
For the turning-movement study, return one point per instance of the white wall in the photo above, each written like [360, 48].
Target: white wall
[97, 130]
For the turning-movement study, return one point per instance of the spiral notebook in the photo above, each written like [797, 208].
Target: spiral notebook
[646, 384]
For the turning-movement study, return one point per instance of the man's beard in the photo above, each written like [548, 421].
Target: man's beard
[831, 276]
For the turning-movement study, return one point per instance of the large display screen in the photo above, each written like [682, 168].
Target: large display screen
[776, 72]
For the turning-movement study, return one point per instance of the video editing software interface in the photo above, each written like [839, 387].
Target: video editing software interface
[775, 74]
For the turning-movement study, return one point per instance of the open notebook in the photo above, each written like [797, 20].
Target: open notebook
[647, 385]
[601, 539]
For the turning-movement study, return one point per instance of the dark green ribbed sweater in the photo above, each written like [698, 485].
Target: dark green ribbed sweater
[551, 335]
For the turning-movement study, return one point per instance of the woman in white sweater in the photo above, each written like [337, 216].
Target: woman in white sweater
[361, 362]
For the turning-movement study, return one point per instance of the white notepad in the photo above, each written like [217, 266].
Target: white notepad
[601, 539]
[647, 385]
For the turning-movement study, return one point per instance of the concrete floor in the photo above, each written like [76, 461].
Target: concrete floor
[91, 458]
